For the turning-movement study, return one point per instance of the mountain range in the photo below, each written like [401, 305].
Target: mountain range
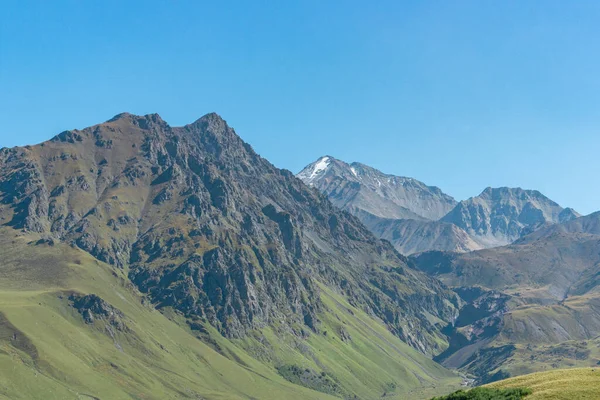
[142, 252]
[531, 305]
[361, 189]
[141, 260]
[416, 217]
[526, 268]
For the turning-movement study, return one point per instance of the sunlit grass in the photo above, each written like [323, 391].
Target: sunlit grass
[562, 384]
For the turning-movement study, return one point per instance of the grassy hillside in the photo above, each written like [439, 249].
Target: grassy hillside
[563, 384]
[481, 393]
[48, 351]
[560, 384]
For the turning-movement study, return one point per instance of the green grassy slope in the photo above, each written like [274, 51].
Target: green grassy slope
[563, 384]
[65, 358]
[481, 393]
[48, 351]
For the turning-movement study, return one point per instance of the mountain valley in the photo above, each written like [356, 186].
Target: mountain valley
[525, 268]
[175, 262]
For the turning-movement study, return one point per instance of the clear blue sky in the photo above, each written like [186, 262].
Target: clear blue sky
[459, 94]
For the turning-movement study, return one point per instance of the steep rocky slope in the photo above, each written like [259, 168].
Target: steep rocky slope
[73, 327]
[221, 241]
[499, 216]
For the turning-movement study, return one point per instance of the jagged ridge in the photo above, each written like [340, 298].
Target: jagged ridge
[206, 226]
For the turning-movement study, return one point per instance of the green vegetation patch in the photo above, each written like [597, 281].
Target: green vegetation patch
[487, 394]
[559, 384]
[309, 378]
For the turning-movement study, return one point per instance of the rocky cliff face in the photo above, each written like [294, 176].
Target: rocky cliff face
[205, 226]
[499, 216]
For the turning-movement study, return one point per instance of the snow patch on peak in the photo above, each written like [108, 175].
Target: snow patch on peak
[354, 171]
[309, 174]
[321, 165]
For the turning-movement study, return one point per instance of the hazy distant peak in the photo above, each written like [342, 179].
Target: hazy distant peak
[360, 187]
[504, 192]
[498, 216]
[568, 214]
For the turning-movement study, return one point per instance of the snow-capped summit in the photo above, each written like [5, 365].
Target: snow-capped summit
[360, 188]
[312, 172]
[400, 209]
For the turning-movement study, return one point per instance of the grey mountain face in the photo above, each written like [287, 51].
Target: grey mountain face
[401, 210]
[415, 217]
[412, 236]
[500, 216]
[358, 187]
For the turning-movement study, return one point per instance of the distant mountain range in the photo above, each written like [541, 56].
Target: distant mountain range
[359, 188]
[416, 217]
[531, 305]
[527, 269]
[502, 215]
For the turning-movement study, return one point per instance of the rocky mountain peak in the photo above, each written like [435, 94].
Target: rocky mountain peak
[316, 170]
[142, 121]
[518, 194]
[211, 122]
[568, 214]
[207, 227]
[499, 216]
[122, 116]
[364, 189]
